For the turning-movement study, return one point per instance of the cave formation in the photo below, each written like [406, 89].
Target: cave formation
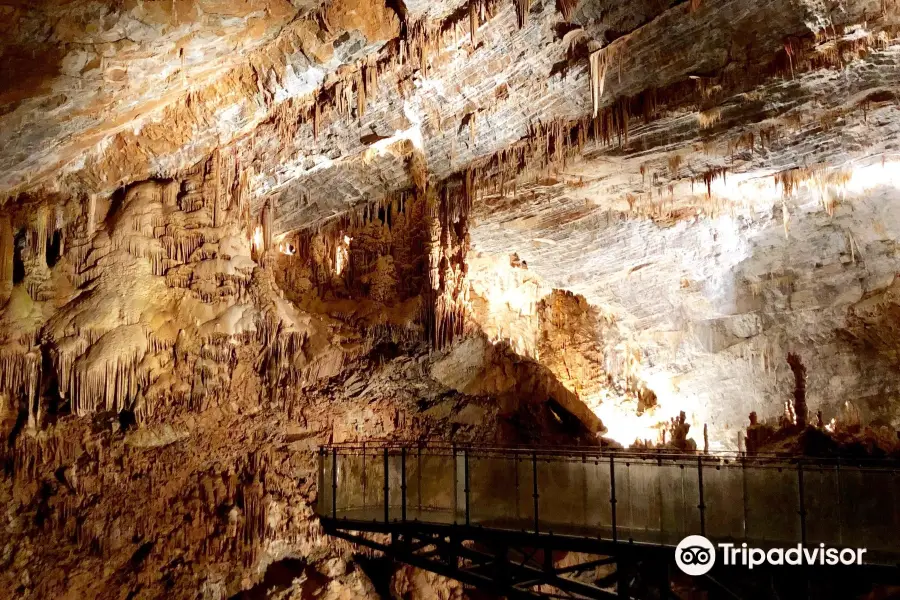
[235, 230]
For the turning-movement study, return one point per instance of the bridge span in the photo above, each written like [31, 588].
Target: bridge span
[498, 518]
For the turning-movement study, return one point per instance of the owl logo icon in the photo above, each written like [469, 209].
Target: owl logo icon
[695, 555]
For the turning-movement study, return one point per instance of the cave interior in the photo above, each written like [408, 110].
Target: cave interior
[234, 231]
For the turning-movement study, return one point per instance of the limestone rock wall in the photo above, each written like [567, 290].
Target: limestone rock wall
[714, 304]
[169, 368]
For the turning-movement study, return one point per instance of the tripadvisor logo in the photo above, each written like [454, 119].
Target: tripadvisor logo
[696, 555]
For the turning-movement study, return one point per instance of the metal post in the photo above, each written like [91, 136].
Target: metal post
[334, 483]
[466, 481]
[840, 512]
[534, 494]
[419, 477]
[612, 495]
[403, 483]
[702, 505]
[744, 489]
[364, 478]
[320, 481]
[455, 483]
[516, 466]
[584, 489]
[387, 486]
[802, 502]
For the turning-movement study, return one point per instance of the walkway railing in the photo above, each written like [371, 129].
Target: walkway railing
[654, 498]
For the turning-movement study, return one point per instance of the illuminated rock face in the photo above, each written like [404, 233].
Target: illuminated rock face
[235, 230]
[715, 303]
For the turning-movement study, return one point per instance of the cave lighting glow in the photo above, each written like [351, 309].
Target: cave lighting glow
[342, 255]
[625, 426]
[759, 189]
[258, 238]
[510, 317]
[381, 147]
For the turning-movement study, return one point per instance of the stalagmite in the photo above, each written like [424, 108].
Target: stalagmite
[799, 407]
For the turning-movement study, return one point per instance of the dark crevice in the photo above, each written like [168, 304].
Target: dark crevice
[379, 570]
[280, 576]
[18, 261]
[54, 248]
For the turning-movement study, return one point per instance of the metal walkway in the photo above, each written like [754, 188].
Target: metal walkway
[495, 517]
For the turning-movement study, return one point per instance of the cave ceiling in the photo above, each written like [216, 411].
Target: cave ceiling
[717, 174]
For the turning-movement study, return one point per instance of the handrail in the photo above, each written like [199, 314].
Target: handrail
[724, 457]
[653, 497]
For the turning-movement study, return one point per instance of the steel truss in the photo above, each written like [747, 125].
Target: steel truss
[520, 565]
[509, 564]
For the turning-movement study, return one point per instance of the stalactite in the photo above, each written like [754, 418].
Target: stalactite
[40, 233]
[216, 180]
[243, 195]
[91, 217]
[418, 170]
[711, 175]
[567, 8]
[423, 39]
[473, 23]
[268, 224]
[287, 118]
[169, 195]
[522, 9]
[340, 99]
[360, 95]
[674, 164]
[32, 388]
[37, 235]
[824, 183]
[255, 522]
[317, 116]
[59, 229]
[470, 190]
[7, 252]
[612, 123]
[600, 61]
[109, 371]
